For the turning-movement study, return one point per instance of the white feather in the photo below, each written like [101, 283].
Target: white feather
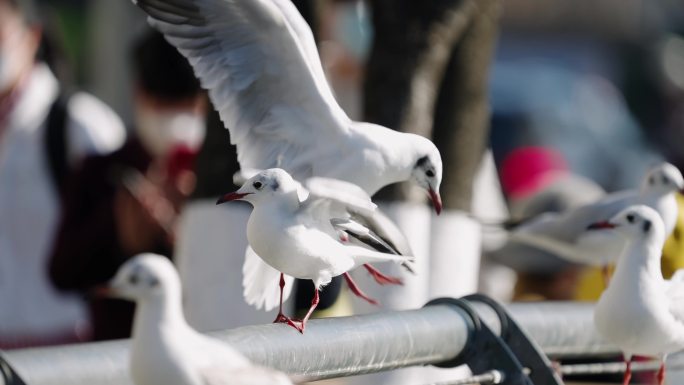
[261, 282]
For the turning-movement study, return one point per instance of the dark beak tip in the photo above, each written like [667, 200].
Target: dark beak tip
[438, 209]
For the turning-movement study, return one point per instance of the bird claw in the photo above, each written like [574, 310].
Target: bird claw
[295, 323]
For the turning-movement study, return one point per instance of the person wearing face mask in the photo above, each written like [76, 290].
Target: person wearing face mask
[34, 121]
[127, 202]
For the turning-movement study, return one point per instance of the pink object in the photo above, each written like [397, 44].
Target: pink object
[527, 169]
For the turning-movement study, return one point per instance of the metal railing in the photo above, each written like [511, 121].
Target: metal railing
[337, 347]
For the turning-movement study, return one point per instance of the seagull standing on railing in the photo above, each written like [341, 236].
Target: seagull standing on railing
[259, 61]
[640, 312]
[165, 349]
[565, 235]
[295, 231]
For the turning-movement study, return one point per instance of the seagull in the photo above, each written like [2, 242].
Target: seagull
[295, 231]
[640, 312]
[565, 235]
[260, 64]
[164, 348]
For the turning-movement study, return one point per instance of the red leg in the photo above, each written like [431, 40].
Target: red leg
[628, 372]
[282, 318]
[355, 289]
[382, 279]
[314, 303]
[661, 373]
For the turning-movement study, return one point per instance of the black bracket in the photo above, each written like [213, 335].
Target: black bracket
[8, 375]
[485, 350]
[530, 355]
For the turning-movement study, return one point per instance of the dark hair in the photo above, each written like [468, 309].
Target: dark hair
[161, 71]
[26, 8]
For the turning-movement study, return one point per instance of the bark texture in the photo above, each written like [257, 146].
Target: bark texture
[428, 74]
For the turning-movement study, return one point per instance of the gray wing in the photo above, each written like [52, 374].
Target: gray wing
[258, 61]
[569, 225]
[350, 209]
[557, 235]
[340, 198]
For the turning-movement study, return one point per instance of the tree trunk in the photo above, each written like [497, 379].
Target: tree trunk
[431, 59]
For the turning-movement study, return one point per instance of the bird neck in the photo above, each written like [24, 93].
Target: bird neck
[157, 314]
[640, 262]
[399, 157]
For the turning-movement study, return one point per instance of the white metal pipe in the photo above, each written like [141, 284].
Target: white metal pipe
[334, 347]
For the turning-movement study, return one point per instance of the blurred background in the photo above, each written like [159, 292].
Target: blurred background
[589, 91]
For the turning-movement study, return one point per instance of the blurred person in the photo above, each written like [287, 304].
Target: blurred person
[44, 134]
[126, 203]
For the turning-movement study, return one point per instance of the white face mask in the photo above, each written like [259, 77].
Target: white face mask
[160, 131]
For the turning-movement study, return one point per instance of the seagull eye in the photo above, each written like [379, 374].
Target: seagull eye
[258, 185]
[630, 218]
[430, 173]
[651, 180]
[133, 279]
[665, 180]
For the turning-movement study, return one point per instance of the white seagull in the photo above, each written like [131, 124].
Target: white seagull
[296, 232]
[565, 235]
[259, 61]
[640, 312]
[165, 349]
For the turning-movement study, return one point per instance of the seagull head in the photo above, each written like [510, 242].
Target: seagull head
[634, 222]
[427, 169]
[663, 179]
[143, 277]
[264, 185]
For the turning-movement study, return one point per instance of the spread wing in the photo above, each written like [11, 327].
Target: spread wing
[260, 282]
[259, 62]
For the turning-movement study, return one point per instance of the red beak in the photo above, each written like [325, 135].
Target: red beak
[436, 200]
[231, 197]
[601, 225]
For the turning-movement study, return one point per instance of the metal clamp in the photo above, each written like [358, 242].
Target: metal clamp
[7, 375]
[530, 355]
[485, 350]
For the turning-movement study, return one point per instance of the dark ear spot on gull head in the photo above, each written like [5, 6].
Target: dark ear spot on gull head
[421, 161]
[647, 226]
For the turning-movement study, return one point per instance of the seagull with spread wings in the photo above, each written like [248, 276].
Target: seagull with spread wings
[259, 61]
